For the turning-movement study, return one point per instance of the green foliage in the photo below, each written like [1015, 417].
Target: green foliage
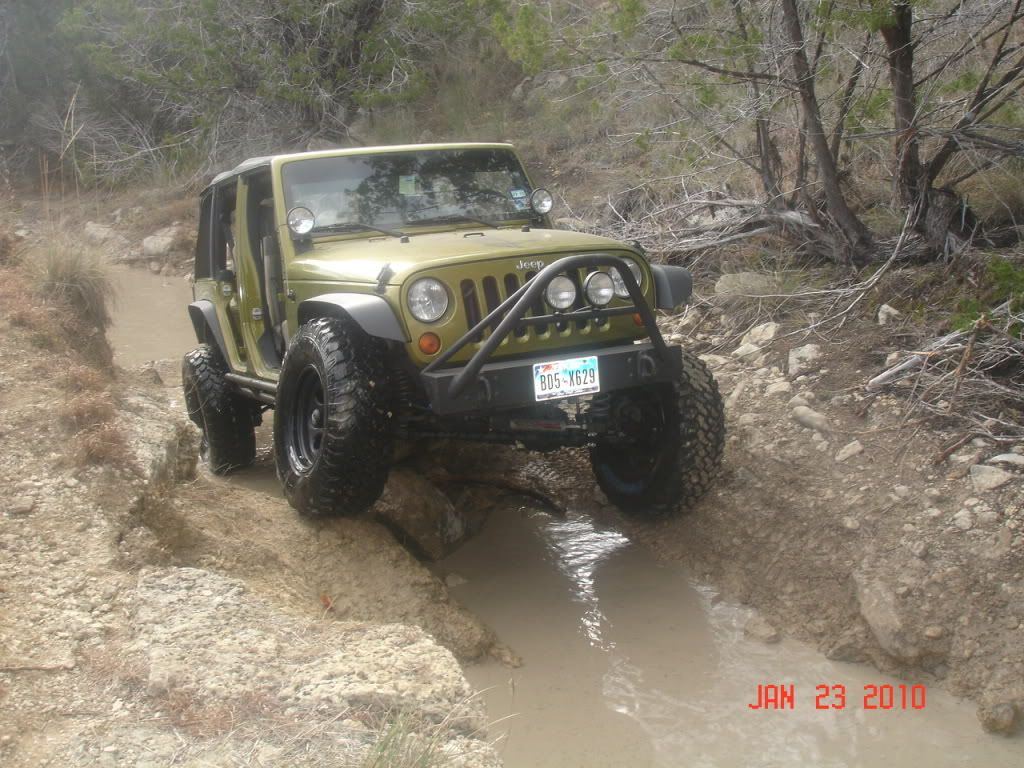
[525, 34]
[1004, 282]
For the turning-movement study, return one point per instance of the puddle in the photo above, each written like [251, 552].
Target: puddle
[150, 317]
[627, 663]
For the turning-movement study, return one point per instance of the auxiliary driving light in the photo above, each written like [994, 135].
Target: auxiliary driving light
[561, 292]
[599, 288]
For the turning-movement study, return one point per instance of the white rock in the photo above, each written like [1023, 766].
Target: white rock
[747, 419]
[746, 350]
[760, 334]
[759, 629]
[1007, 458]
[97, 233]
[849, 450]
[811, 419]
[985, 478]
[744, 283]
[892, 358]
[796, 400]
[887, 314]
[714, 361]
[802, 358]
[157, 246]
[851, 524]
[782, 388]
[964, 519]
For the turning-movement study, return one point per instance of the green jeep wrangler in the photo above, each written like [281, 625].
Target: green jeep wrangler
[375, 295]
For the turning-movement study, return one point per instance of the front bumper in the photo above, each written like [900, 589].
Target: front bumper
[510, 384]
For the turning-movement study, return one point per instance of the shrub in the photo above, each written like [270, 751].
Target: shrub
[70, 274]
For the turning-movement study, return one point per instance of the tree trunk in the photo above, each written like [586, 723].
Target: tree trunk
[900, 49]
[857, 236]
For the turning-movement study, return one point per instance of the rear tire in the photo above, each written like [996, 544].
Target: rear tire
[227, 420]
[679, 434]
[333, 434]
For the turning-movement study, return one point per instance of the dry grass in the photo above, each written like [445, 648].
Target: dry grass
[88, 411]
[103, 444]
[70, 274]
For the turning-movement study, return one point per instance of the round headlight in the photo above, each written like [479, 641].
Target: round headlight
[427, 299]
[620, 285]
[599, 288]
[561, 292]
[301, 220]
[541, 201]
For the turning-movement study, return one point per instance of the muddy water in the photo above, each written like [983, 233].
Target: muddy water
[626, 663]
[150, 317]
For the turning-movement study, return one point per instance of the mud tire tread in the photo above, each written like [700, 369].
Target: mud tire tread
[697, 444]
[225, 417]
[352, 468]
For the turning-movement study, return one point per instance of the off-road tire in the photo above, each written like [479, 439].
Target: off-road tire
[684, 457]
[227, 420]
[333, 432]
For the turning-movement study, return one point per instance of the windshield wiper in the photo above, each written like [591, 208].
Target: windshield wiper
[455, 218]
[355, 226]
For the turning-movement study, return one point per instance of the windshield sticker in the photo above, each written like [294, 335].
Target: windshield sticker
[517, 194]
[519, 204]
[408, 185]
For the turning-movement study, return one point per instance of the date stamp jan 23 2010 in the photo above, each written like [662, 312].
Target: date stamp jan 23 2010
[836, 696]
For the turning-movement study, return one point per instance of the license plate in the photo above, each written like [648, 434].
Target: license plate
[565, 378]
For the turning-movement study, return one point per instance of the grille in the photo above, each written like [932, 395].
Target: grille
[481, 297]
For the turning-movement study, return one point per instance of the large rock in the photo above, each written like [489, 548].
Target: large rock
[808, 417]
[985, 478]
[744, 284]
[161, 243]
[760, 334]
[97, 234]
[420, 515]
[208, 650]
[802, 359]
[880, 609]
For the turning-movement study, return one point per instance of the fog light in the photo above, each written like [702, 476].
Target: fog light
[561, 292]
[430, 343]
[599, 288]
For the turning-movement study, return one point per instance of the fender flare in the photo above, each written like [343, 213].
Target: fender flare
[371, 313]
[673, 286]
[207, 327]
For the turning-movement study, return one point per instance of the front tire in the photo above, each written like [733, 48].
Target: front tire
[227, 420]
[333, 435]
[677, 436]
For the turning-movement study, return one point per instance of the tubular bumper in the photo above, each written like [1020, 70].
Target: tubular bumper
[506, 384]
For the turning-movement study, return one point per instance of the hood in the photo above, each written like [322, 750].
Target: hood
[361, 259]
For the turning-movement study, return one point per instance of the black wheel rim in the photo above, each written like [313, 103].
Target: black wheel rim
[308, 419]
[644, 423]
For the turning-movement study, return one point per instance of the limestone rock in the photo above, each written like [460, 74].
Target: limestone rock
[879, 608]
[849, 450]
[745, 350]
[801, 359]
[998, 718]
[757, 628]
[887, 314]
[779, 388]
[160, 244]
[807, 417]
[1013, 459]
[964, 519]
[744, 284]
[984, 478]
[421, 516]
[97, 234]
[760, 334]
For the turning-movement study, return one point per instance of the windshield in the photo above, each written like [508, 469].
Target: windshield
[402, 188]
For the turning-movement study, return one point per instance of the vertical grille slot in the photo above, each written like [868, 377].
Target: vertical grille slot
[538, 307]
[492, 298]
[511, 286]
[472, 305]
